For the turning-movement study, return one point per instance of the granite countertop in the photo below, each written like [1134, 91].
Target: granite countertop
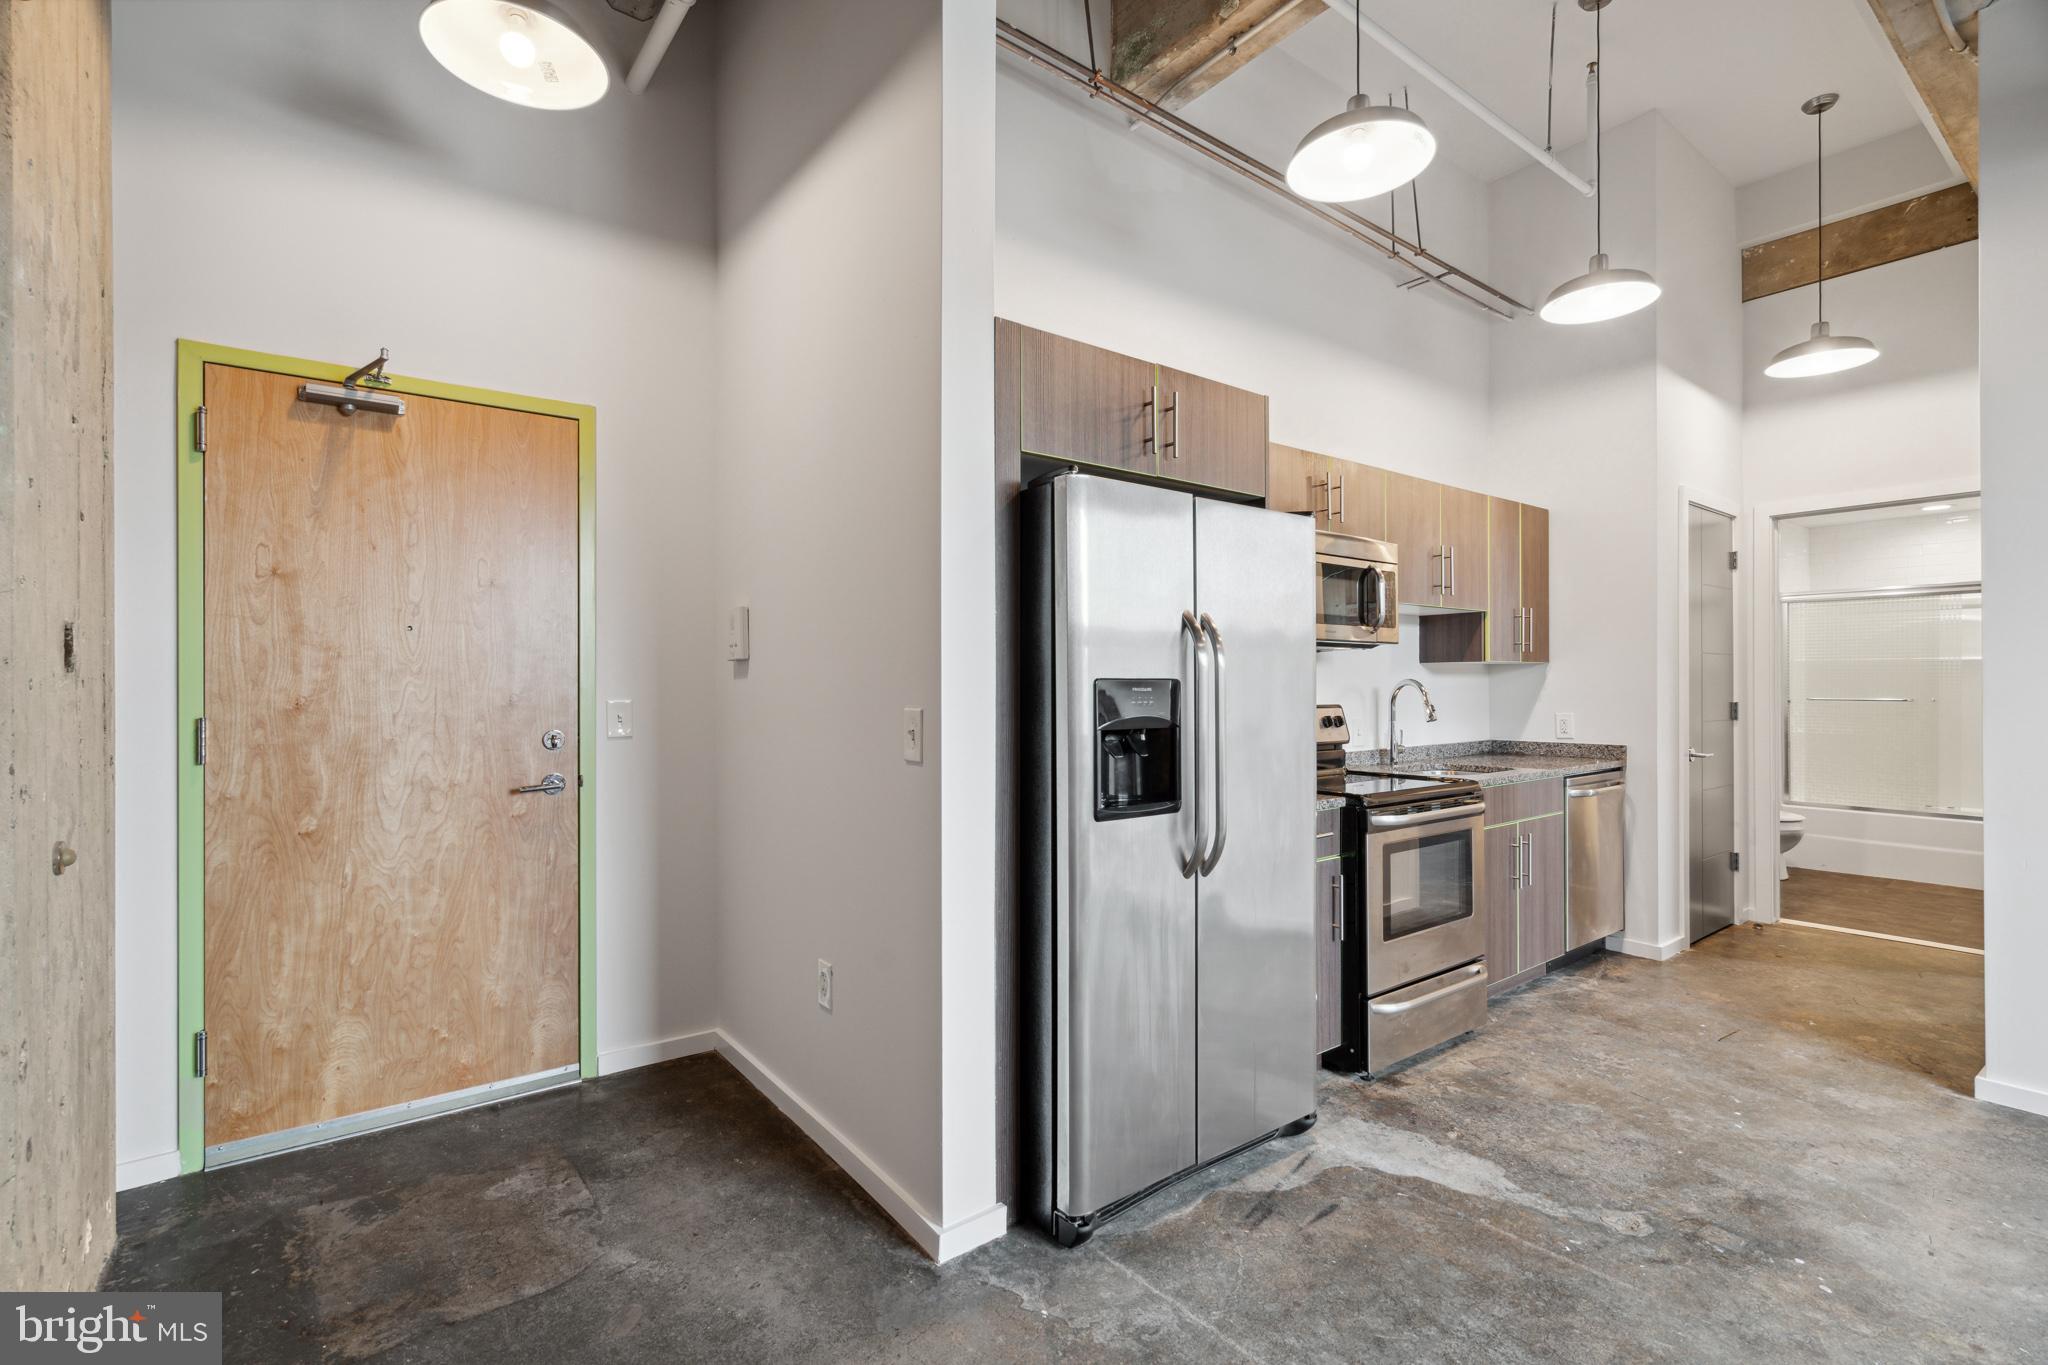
[1521, 760]
[1326, 801]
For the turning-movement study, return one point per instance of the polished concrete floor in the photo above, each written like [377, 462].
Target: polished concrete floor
[1877, 905]
[1760, 1150]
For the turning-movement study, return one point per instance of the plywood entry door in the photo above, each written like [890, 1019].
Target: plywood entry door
[391, 629]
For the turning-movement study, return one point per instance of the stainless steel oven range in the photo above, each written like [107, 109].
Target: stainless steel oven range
[1417, 975]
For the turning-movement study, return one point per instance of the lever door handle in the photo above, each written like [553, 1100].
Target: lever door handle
[551, 785]
[1694, 755]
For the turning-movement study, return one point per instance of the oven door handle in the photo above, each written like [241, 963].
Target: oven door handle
[1426, 817]
[1467, 975]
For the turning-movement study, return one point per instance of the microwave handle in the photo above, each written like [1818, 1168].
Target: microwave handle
[1382, 604]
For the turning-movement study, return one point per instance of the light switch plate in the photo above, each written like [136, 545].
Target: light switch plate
[618, 719]
[1567, 725]
[913, 734]
[824, 985]
[736, 630]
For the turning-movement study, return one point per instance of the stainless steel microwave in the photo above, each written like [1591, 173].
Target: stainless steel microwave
[1357, 597]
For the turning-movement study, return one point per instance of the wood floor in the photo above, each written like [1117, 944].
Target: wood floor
[1937, 914]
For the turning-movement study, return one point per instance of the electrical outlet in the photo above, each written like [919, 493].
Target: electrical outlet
[913, 734]
[618, 719]
[1567, 725]
[824, 985]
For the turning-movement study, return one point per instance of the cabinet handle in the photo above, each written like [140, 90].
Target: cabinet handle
[1342, 480]
[1174, 445]
[1443, 569]
[1529, 632]
[1152, 422]
[1451, 555]
[1340, 907]
[1518, 630]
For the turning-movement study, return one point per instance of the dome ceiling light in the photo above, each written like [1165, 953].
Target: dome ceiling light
[1364, 152]
[527, 52]
[1822, 352]
[1604, 291]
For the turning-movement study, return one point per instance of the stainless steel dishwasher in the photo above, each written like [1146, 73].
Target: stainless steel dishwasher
[1595, 888]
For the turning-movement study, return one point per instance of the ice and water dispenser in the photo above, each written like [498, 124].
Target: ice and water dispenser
[1137, 747]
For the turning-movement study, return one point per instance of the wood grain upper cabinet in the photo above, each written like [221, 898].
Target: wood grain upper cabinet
[1535, 585]
[1082, 403]
[1293, 480]
[1504, 580]
[1464, 538]
[1343, 495]
[1211, 433]
[1415, 525]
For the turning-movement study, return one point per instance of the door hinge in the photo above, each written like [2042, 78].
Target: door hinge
[199, 428]
[199, 741]
[1735, 862]
[199, 1053]
[1734, 556]
[1735, 710]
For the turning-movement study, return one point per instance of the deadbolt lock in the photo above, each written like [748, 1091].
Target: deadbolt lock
[553, 739]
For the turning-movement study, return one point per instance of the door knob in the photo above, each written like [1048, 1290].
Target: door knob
[551, 785]
[1695, 755]
[61, 857]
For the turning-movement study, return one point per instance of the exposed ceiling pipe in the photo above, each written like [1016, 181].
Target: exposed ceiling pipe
[661, 33]
[1948, 26]
[1446, 276]
[1421, 67]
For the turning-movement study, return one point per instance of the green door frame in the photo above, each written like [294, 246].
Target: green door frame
[193, 357]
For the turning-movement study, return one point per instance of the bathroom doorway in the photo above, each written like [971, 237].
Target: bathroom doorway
[1879, 717]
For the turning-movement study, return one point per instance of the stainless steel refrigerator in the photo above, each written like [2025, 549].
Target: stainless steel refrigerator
[1169, 951]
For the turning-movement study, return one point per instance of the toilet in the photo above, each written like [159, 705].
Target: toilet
[1791, 825]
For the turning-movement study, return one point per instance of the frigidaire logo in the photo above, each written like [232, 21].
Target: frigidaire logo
[169, 1327]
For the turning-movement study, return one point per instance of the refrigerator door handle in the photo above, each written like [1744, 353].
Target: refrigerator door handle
[1193, 862]
[1216, 759]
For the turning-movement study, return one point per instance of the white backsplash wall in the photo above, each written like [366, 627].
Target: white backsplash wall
[1359, 680]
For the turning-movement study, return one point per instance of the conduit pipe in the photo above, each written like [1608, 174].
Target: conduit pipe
[662, 32]
[1040, 53]
[1421, 67]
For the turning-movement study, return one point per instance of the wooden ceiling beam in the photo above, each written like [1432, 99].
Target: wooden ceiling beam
[1170, 51]
[1945, 78]
[1932, 221]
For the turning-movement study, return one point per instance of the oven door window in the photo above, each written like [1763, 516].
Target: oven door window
[1426, 882]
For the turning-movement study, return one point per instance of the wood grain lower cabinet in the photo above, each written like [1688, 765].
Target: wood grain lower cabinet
[1522, 879]
[1330, 930]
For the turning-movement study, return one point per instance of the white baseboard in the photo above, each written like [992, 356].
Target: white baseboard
[660, 1050]
[1656, 952]
[939, 1243]
[146, 1170]
[2012, 1096]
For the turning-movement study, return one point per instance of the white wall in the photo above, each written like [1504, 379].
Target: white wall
[844, 420]
[1905, 426]
[2013, 94]
[1121, 239]
[301, 178]
[1882, 171]
[1604, 425]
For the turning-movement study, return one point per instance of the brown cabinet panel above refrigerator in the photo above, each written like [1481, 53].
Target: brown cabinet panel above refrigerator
[1085, 404]
[1211, 434]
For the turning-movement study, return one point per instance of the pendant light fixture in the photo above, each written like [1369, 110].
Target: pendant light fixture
[1822, 352]
[1366, 151]
[1603, 292]
[527, 52]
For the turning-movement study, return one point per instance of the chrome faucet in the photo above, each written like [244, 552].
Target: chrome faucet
[1393, 735]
